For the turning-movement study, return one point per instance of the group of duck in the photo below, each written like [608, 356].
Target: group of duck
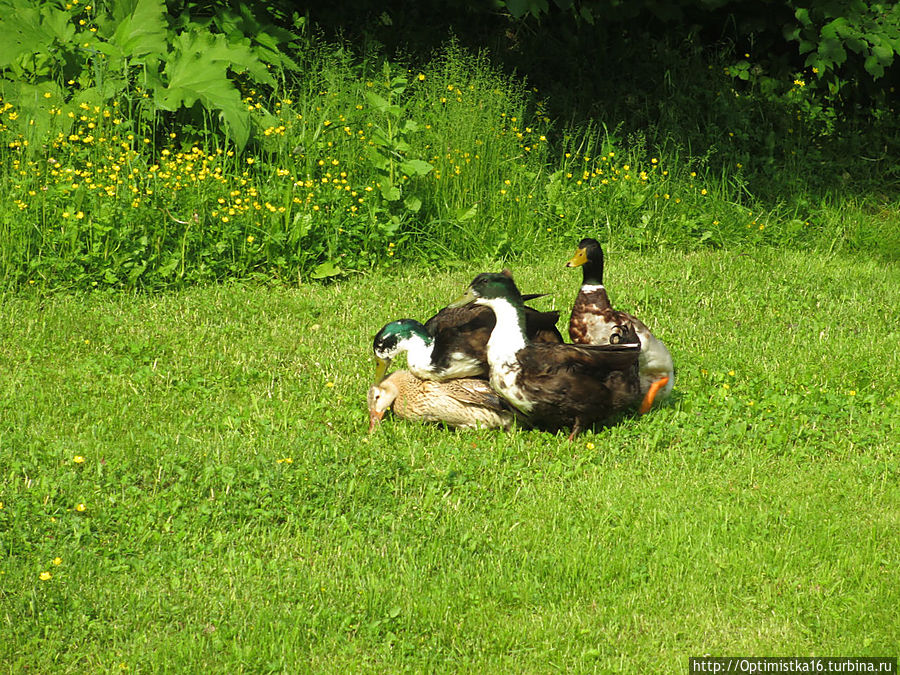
[489, 360]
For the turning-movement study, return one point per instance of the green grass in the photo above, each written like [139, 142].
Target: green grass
[238, 517]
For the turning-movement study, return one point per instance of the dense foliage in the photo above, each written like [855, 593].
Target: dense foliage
[145, 144]
[825, 32]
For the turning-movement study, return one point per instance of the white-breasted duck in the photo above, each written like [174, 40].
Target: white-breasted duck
[452, 343]
[554, 386]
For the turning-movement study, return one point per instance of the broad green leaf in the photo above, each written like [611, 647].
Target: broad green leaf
[266, 38]
[302, 223]
[22, 32]
[143, 30]
[376, 101]
[390, 192]
[463, 214]
[413, 203]
[58, 24]
[874, 66]
[376, 159]
[884, 53]
[856, 45]
[832, 51]
[379, 138]
[381, 105]
[326, 269]
[834, 29]
[415, 167]
[518, 8]
[198, 71]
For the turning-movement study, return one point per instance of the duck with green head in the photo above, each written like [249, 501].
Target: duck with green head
[554, 386]
[594, 321]
[453, 342]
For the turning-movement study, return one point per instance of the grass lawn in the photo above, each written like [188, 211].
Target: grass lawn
[187, 483]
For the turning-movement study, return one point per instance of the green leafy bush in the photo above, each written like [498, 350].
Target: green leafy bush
[78, 53]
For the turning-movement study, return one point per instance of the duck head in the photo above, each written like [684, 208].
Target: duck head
[488, 287]
[380, 398]
[589, 255]
[393, 339]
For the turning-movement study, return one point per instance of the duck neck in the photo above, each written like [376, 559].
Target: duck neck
[592, 274]
[508, 336]
[418, 352]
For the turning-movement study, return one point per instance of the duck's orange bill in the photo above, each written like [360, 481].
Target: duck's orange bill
[374, 419]
[647, 403]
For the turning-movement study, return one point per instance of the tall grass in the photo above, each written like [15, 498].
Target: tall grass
[359, 164]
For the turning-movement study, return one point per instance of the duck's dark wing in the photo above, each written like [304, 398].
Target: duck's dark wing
[541, 326]
[460, 330]
[467, 329]
[588, 361]
[572, 386]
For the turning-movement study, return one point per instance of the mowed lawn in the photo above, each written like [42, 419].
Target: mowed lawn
[187, 483]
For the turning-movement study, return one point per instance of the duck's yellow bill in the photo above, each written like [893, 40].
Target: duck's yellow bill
[381, 366]
[466, 298]
[579, 259]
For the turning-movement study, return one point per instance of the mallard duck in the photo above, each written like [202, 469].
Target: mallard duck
[553, 386]
[594, 320]
[463, 402]
[453, 342]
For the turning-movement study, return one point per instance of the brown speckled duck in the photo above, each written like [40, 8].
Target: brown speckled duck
[594, 320]
[466, 403]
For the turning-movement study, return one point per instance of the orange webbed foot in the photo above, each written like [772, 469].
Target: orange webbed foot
[647, 403]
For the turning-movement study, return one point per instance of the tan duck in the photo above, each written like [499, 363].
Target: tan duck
[594, 320]
[465, 403]
[553, 386]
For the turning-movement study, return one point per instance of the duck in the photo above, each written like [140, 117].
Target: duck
[553, 386]
[594, 320]
[464, 403]
[453, 342]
